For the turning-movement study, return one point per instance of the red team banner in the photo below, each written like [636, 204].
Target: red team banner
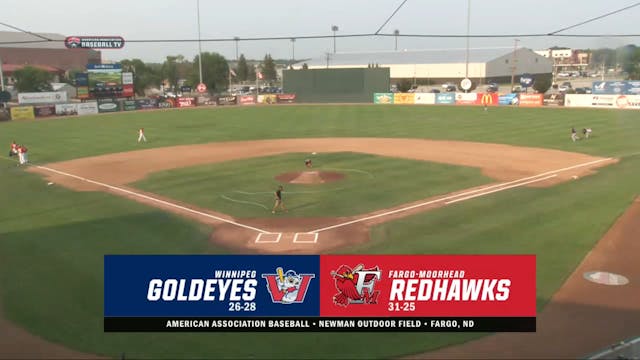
[425, 285]
[531, 100]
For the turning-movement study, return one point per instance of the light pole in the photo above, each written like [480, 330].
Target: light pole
[334, 28]
[466, 76]
[514, 60]
[396, 32]
[199, 44]
[1, 77]
[293, 50]
[236, 40]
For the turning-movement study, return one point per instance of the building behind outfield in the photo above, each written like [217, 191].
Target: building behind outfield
[18, 49]
[439, 66]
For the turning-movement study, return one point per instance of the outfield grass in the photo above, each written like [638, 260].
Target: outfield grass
[245, 188]
[52, 240]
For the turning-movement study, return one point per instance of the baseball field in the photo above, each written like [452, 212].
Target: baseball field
[384, 180]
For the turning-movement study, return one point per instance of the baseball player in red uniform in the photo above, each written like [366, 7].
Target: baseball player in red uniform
[22, 154]
[14, 149]
[141, 135]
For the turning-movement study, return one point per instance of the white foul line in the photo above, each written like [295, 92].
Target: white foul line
[501, 185]
[151, 198]
[500, 189]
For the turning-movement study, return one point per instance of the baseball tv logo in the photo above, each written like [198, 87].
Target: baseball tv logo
[356, 286]
[288, 287]
[73, 42]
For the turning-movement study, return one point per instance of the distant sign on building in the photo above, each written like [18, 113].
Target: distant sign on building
[94, 42]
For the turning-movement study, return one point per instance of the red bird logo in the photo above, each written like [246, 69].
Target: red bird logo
[355, 285]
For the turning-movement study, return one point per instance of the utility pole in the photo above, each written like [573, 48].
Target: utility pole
[396, 32]
[236, 39]
[513, 63]
[328, 56]
[334, 28]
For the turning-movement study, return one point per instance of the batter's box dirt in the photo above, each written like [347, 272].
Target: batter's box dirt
[305, 238]
[265, 238]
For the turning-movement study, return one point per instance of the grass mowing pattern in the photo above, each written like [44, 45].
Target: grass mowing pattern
[245, 188]
[52, 240]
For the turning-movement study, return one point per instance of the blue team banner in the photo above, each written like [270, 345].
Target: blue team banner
[211, 285]
[508, 99]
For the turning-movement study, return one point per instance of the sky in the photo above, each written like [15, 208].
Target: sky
[177, 19]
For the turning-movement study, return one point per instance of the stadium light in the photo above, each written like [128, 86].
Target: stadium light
[334, 28]
[1, 77]
[466, 76]
[199, 43]
[293, 50]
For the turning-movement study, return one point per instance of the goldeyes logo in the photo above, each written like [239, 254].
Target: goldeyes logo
[356, 286]
[288, 287]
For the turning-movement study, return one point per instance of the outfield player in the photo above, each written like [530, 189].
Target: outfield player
[574, 135]
[279, 203]
[141, 136]
[587, 133]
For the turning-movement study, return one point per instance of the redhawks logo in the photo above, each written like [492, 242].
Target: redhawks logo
[356, 286]
[622, 101]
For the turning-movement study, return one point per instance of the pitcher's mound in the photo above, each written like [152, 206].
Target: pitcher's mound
[310, 177]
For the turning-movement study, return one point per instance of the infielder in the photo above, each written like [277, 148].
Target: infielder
[279, 203]
[22, 154]
[14, 149]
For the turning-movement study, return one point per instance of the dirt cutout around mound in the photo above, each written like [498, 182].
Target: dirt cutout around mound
[310, 177]
[583, 317]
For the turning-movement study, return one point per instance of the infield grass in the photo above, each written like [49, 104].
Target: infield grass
[52, 240]
[246, 188]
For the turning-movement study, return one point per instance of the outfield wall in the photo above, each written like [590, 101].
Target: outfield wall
[349, 85]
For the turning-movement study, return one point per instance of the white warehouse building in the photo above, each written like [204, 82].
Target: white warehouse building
[435, 66]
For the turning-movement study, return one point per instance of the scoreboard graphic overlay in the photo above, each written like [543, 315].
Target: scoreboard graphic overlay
[273, 293]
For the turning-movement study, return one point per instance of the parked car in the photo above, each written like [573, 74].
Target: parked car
[449, 87]
[516, 89]
[435, 91]
[583, 90]
[565, 86]
[492, 87]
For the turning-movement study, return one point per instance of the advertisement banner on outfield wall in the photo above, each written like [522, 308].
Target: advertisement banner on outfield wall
[166, 104]
[466, 98]
[146, 104]
[508, 99]
[553, 100]
[382, 293]
[267, 99]
[286, 98]
[88, 108]
[404, 98]
[50, 97]
[227, 100]
[609, 87]
[108, 105]
[44, 110]
[487, 99]
[204, 100]
[246, 100]
[446, 98]
[66, 109]
[383, 98]
[530, 100]
[425, 98]
[22, 113]
[633, 88]
[631, 102]
[182, 102]
[129, 105]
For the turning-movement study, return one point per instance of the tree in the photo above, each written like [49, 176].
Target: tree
[404, 85]
[251, 73]
[242, 69]
[269, 68]
[542, 84]
[215, 71]
[305, 66]
[144, 75]
[31, 79]
[170, 71]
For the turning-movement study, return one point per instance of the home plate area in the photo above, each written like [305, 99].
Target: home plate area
[276, 237]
